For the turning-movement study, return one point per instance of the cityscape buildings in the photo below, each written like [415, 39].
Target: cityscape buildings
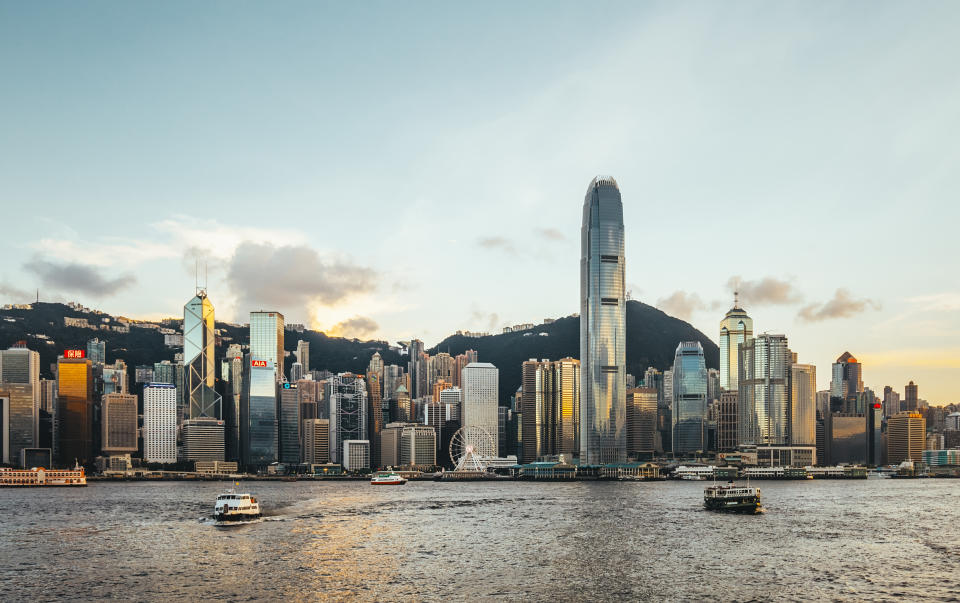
[603, 398]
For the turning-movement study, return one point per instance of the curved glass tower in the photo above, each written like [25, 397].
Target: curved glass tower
[689, 398]
[735, 329]
[603, 392]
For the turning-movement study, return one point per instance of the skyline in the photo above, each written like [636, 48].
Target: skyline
[428, 192]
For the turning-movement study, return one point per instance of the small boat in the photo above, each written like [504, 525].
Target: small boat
[232, 508]
[732, 499]
[387, 478]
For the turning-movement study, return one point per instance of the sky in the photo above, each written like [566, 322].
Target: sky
[396, 170]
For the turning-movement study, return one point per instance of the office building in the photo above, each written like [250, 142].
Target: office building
[266, 339]
[303, 355]
[603, 396]
[440, 368]
[74, 417]
[233, 374]
[392, 379]
[374, 410]
[763, 407]
[480, 400]
[296, 372]
[258, 413]
[288, 424]
[803, 405]
[375, 366]
[727, 421]
[689, 399]
[906, 437]
[96, 351]
[417, 369]
[346, 396]
[550, 407]
[847, 377]
[118, 424]
[114, 378]
[735, 329]
[202, 439]
[910, 398]
[165, 372]
[641, 422]
[356, 455]
[418, 447]
[402, 408]
[316, 441]
[160, 423]
[390, 444]
[199, 344]
[891, 402]
[17, 422]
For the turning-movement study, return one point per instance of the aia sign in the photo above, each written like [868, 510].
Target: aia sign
[74, 353]
[262, 363]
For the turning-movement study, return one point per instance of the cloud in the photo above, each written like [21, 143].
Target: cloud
[843, 305]
[941, 302]
[551, 234]
[357, 327]
[489, 320]
[500, 243]
[292, 277]
[78, 278]
[766, 291]
[9, 293]
[681, 304]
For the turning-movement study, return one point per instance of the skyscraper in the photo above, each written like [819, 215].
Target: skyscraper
[258, 413]
[198, 353]
[735, 329]
[303, 355]
[763, 406]
[906, 437]
[480, 400]
[689, 398]
[847, 377]
[20, 379]
[550, 408]
[603, 397]
[347, 398]
[160, 423]
[803, 405]
[415, 369]
[118, 422]
[641, 421]
[910, 397]
[74, 408]
[266, 339]
[288, 424]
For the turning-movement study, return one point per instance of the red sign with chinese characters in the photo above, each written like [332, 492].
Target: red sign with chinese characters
[262, 363]
[74, 353]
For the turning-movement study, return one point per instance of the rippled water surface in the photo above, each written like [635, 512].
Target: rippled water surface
[851, 540]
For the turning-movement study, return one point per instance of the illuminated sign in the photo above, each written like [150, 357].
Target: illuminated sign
[74, 353]
[286, 386]
[876, 405]
[262, 363]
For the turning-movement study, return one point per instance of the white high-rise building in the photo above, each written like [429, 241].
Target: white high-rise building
[303, 354]
[356, 455]
[480, 382]
[346, 396]
[160, 423]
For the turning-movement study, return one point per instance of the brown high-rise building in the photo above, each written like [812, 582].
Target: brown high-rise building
[438, 387]
[550, 408]
[74, 408]
[641, 421]
[727, 421]
[375, 412]
[906, 437]
[911, 400]
[118, 422]
[316, 441]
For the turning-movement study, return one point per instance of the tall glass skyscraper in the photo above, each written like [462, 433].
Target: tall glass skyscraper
[689, 398]
[258, 413]
[603, 317]
[266, 339]
[198, 357]
[735, 329]
[763, 407]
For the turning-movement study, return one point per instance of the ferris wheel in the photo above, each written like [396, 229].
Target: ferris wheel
[469, 448]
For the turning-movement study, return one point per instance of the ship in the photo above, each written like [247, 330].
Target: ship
[38, 476]
[232, 508]
[387, 478]
[732, 499]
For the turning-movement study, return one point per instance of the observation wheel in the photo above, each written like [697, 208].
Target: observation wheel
[469, 448]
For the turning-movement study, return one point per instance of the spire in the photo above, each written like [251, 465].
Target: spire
[736, 299]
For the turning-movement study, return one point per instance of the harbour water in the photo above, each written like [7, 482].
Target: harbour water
[850, 540]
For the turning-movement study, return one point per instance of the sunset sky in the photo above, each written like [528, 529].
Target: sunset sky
[398, 170]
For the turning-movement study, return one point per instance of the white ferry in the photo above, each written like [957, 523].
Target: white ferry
[694, 473]
[232, 507]
[38, 476]
[732, 499]
[388, 478]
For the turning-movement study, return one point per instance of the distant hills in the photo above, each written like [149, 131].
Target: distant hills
[652, 338]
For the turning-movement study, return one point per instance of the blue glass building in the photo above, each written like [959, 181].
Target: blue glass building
[258, 413]
[689, 398]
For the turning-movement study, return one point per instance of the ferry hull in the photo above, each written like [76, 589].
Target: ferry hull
[748, 506]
